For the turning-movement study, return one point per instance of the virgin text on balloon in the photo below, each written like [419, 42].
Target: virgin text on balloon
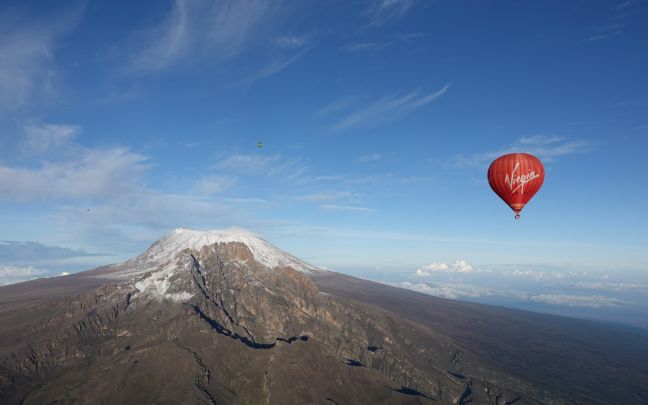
[520, 180]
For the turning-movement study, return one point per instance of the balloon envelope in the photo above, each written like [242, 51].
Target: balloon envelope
[516, 178]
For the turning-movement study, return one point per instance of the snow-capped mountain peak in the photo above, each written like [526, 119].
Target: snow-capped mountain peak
[165, 250]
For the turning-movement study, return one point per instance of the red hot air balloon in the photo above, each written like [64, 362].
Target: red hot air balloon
[516, 178]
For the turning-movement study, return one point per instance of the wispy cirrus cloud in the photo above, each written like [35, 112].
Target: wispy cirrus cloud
[373, 46]
[337, 105]
[544, 147]
[292, 41]
[372, 157]
[611, 30]
[614, 26]
[373, 179]
[623, 5]
[272, 69]
[366, 46]
[29, 252]
[351, 208]
[247, 164]
[25, 67]
[320, 197]
[40, 137]
[274, 165]
[385, 11]
[213, 184]
[200, 30]
[384, 109]
[203, 32]
[27, 70]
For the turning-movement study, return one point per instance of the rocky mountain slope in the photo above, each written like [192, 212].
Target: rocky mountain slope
[224, 317]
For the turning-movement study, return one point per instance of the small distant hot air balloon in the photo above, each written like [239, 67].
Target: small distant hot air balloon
[260, 144]
[516, 178]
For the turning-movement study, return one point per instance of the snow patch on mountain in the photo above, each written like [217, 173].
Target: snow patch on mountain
[157, 284]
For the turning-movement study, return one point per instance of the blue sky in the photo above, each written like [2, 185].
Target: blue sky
[120, 121]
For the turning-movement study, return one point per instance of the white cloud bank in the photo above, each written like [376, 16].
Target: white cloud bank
[589, 301]
[458, 291]
[93, 173]
[451, 291]
[63, 169]
[17, 274]
[459, 266]
[610, 286]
